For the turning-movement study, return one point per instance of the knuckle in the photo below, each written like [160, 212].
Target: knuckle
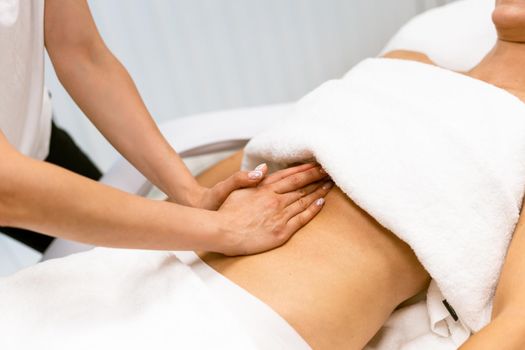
[282, 239]
[316, 173]
[302, 192]
[303, 220]
[295, 180]
[303, 203]
[320, 191]
[278, 229]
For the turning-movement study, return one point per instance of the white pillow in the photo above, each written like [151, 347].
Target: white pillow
[455, 36]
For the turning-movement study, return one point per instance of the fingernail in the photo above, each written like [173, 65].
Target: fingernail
[260, 167]
[328, 185]
[319, 202]
[255, 174]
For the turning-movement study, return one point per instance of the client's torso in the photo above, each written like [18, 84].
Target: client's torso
[336, 281]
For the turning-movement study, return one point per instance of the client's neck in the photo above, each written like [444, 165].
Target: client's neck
[504, 66]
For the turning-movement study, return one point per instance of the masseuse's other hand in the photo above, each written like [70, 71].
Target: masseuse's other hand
[265, 217]
[212, 198]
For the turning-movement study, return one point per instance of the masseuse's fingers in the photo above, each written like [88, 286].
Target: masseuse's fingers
[304, 217]
[291, 197]
[299, 180]
[281, 174]
[302, 204]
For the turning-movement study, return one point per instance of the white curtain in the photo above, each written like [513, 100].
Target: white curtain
[191, 56]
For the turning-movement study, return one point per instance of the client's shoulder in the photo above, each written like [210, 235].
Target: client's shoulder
[409, 56]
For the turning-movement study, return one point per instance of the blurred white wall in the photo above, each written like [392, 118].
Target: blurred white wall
[191, 56]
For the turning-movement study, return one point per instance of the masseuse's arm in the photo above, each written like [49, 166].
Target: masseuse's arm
[104, 91]
[507, 328]
[45, 198]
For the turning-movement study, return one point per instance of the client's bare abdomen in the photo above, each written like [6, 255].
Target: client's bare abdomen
[336, 281]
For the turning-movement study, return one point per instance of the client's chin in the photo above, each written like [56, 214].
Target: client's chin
[509, 19]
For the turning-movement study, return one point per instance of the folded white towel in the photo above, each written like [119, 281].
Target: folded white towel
[435, 156]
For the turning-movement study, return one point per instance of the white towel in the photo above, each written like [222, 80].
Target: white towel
[424, 325]
[435, 156]
[114, 299]
[409, 329]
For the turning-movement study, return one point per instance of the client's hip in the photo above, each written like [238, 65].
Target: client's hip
[266, 328]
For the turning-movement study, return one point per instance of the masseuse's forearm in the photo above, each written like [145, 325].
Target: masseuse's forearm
[45, 198]
[103, 89]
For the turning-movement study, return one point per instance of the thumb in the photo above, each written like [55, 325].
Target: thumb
[252, 178]
[241, 179]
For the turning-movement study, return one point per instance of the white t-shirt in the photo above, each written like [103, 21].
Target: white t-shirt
[25, 108]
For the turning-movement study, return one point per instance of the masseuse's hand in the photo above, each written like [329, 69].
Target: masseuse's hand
[265, 217]
[212, 198]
